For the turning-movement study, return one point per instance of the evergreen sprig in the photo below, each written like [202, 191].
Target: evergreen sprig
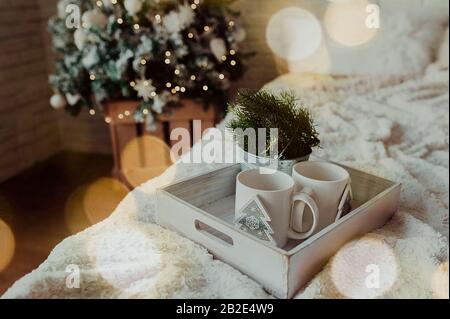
[297, 134]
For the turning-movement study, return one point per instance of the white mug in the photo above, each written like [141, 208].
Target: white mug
[329, 187]
[274, 194]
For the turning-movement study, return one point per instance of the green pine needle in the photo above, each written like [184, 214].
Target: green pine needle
[297, 133]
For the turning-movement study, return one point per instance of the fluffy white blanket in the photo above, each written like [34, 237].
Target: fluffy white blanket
[397, 130]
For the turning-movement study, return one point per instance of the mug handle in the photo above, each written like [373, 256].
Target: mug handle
[308, 200]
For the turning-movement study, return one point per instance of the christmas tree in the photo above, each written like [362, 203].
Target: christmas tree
[157, 51]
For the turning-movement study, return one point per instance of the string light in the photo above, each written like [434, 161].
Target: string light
[145, 112]
[119, 20]
[167, 61]
[107, 120]
[99, 3]
[92, 112]
[158, 18]
[168, 54]
[153, 94]
[173, 91]
[221, 76]
[206, 28]
[136, 26]
[231, 24]
[224, 57]
[205, 88]
[127, 113]
[114, 1]
[193, 77]
[120, 116]
[146, 83]
[190, 35]
[168, 84]
[92, 77]
[183, 89]
[232, 52]
[177, 88]
[143, 61]
[177, 72]
[233, 63]
[132, 84]
[197, 2]
[193, 6]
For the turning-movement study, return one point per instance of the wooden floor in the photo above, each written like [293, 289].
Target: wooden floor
[32, 204]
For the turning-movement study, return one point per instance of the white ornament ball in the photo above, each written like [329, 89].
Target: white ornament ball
[133, 6]
[80, 38]
[57, 101]
[94, 18]
[218, 48]
[72, 99]
[107, 3]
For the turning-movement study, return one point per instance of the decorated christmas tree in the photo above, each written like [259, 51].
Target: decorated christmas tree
[155, 51]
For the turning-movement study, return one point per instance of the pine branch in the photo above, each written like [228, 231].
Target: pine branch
[297, 134]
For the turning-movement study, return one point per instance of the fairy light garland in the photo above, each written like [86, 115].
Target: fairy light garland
[182, 80]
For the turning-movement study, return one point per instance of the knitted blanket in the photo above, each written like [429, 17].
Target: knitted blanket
[398, 129]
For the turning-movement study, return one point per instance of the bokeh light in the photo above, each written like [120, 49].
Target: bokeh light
[144, 158]
[294, 34]
[92, 203]
[364, 269]
[318, 63]
[7, 245]
[345, 22]
[440, 282]
[102, 197]
[75, 217]
[124, 257]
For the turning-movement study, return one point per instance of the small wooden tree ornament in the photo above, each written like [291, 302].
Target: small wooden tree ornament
[253, 219]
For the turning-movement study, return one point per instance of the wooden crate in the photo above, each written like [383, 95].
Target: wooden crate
[202, 209]
[124, 130]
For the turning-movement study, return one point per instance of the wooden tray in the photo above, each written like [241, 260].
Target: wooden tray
[202, 209]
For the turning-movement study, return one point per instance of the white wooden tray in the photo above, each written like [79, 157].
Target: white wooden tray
[202, 209]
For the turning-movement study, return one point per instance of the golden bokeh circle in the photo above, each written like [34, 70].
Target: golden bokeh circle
[144, 158]
[346, 23]
[294, 34]
[7, 245]
[102, 197]
[364, 269]
[92, 203]
[74, 214]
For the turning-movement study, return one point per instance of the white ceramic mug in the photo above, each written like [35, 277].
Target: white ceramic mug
[275, 192]
[329, 187]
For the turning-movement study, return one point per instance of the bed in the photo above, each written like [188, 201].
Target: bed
[392, 126]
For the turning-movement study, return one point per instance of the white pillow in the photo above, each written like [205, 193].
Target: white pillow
[404, 44]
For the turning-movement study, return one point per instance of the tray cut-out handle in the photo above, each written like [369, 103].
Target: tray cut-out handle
[213, 233]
